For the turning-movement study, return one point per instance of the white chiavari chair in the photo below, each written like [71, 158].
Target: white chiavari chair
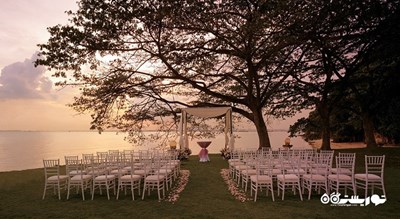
[373, 176]
[53, 178]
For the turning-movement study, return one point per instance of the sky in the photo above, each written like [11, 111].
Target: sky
[28, 98]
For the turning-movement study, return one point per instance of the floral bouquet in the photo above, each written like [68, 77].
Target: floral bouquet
[184, 154]
[225, 153]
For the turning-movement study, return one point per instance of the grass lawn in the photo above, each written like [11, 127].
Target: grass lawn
[205, 196]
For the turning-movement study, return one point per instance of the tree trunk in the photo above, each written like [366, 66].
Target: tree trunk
[262, 130]
[368, 126]
[326, 132]
[326, 137]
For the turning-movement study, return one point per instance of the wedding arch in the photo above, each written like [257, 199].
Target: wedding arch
[206, 112]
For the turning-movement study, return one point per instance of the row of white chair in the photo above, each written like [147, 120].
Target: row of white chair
[158, 169]
[302, 170]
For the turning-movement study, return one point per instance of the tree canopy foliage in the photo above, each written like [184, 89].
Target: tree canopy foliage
[364, 85]
[138, 61]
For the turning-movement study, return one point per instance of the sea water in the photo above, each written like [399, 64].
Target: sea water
[21, 150]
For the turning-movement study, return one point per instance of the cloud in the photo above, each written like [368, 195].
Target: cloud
[22, 80]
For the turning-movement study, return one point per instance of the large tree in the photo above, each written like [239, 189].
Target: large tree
[342, 36]
[374, 85]
[139, 61]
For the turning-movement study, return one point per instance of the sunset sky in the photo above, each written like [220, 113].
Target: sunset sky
[28, 98]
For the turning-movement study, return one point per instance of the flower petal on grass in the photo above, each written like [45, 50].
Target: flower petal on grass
[179, 186]
[232, 187]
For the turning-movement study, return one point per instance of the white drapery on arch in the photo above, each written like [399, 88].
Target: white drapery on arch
[206, 112]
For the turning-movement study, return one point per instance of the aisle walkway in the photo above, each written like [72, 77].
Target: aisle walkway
[206, 175]
[214, 192]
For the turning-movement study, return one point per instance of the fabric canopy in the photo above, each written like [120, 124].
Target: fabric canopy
[205, 112]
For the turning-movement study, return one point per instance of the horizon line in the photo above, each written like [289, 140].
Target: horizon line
[149, 130]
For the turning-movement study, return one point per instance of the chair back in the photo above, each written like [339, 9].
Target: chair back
[295, 166]
[51, 168]
[157, 165]
[113, 152]
[71, 157]
[113, 160]
[73, 165]
[94, 166]
[375, 165]
[87, 156]
[102, 155]
[284, 157]
[344, 162]
[265, 164]
[347, 155]
[324, 157]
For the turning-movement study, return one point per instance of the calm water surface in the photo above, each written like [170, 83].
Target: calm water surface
[26, 150]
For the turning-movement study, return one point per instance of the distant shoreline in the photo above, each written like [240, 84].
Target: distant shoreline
[242, 130]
